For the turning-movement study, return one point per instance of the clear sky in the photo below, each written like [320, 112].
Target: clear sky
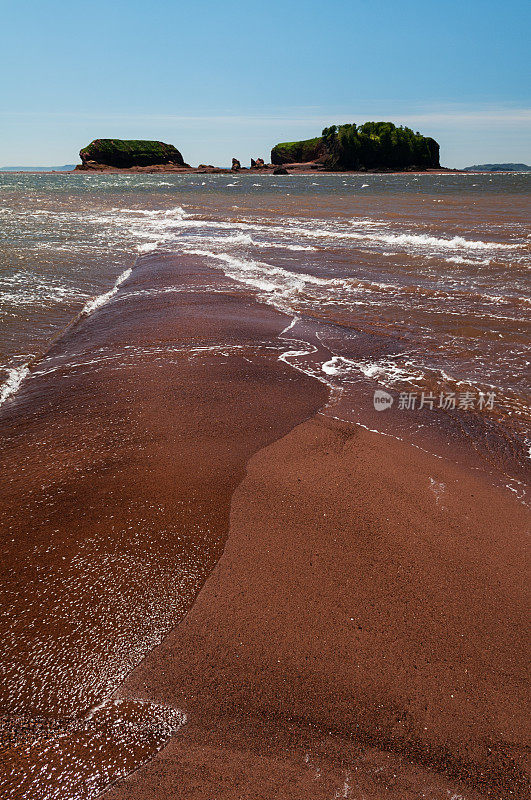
[223, 78]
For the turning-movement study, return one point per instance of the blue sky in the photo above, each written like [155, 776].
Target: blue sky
[232, 78]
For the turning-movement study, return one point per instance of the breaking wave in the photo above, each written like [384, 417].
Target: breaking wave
[97, 302]
[15, 377]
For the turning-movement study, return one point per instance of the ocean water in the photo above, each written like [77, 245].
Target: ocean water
[419, 283]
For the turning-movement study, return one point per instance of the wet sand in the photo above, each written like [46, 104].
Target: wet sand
[361, 634]
[120, 455]
[360, 631]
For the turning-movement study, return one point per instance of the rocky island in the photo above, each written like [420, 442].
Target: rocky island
[129, 153]
[372, 146]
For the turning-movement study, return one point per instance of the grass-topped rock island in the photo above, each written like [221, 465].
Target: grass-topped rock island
[127, 153]
[373, 146]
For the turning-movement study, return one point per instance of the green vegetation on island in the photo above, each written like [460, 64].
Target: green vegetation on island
[373, 145]
[123, 153]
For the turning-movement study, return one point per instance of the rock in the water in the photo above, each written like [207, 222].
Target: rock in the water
[258, 164]
[280, 171]
[236, 164]
[124, 153]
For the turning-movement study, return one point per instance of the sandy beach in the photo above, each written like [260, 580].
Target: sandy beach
[215, 588]
[358, 635]
[152, 451]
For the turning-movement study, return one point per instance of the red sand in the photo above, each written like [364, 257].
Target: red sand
[120, 455]
[362, 633]
[354, 611]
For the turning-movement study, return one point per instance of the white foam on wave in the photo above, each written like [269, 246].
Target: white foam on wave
[42, 295]
[420, 240]
[423, 239]
[147, 247]
[283, 288]
[24, 288]
[333, 367]
[245, 239]
[484, 262]
[299, 349]
[387, 372]
[256, 274]
[414, 240]
[366, 223]
[281, 246]
[100, 300]
[278, 283]
[295, 247]
[384, 371]
[161, 222]
[15, 376]
[176, 212]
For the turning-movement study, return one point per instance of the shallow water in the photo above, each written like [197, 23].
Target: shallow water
[419, 283]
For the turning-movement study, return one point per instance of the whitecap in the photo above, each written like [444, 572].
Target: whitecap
[147, 247]
[15, 376]
[100, 300]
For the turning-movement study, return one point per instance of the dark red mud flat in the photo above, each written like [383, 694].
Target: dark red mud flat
[120, 455]
[361, 636]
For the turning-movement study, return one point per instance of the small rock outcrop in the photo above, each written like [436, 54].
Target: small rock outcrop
[236, 165]
[258, 164]
[280, 171]
[126, 153]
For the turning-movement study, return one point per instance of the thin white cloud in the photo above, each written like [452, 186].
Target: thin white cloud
[442, 115]
[520, 116]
